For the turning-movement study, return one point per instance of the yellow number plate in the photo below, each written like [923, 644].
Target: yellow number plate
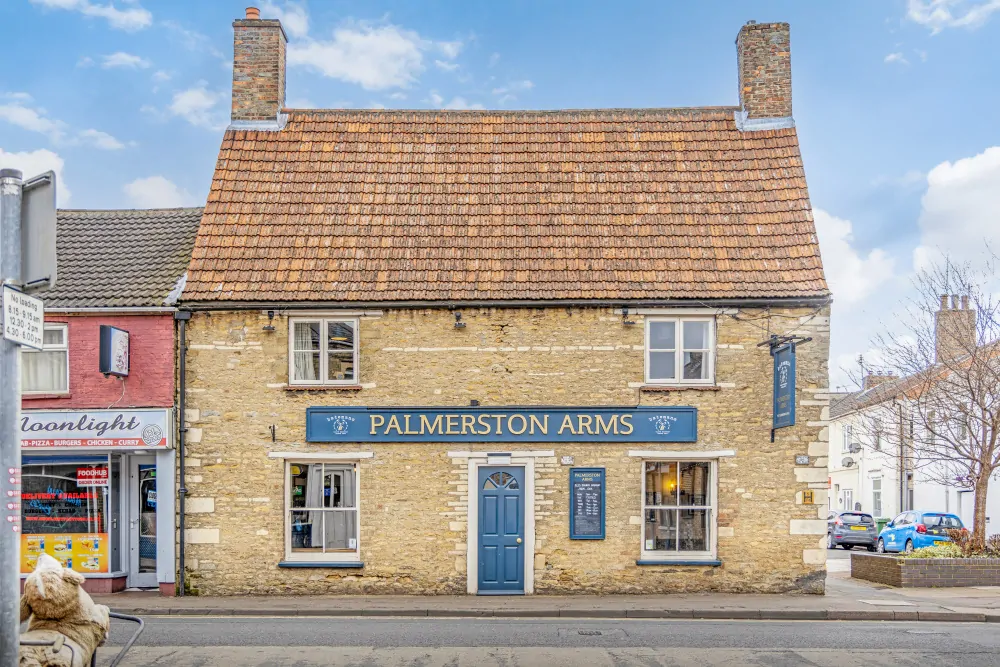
[858, 528]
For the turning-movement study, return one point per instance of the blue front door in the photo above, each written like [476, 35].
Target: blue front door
[501, 530]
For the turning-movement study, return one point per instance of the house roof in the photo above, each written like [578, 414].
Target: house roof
[121, 258]
[446, 206]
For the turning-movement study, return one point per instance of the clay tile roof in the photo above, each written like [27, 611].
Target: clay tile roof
[497, 205]
[123, 258]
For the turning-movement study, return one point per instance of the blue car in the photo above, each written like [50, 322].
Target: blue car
[915, 530]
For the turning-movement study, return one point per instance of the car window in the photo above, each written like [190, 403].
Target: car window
[941, 521]
[900, 520]
[856, 518]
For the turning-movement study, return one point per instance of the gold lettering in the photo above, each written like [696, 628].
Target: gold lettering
[499, 419]
[586, 422]
[468, 424]
[393, 424]
[406, 427]
[626, 421]
[610, 426]
[377, 421]
[431, 427]
[482, 422]
[451, 427]
[542, 425]
[510, 424]
[567, 423]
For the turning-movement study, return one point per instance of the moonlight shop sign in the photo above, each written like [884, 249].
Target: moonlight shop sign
[516, 424]
[119, 429]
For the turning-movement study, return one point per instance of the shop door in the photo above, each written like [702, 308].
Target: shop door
[142, 522]
[501, 530]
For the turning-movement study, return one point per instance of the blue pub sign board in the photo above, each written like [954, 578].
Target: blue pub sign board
[784, 386]
[586, 503]
[502, 424]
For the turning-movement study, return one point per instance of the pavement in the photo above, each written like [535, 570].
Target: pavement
[846, 599]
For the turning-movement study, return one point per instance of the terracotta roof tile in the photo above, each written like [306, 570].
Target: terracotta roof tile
[450, 206]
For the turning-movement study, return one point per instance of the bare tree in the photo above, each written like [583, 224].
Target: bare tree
[936, 400]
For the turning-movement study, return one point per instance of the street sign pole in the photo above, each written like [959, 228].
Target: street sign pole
[10, 442]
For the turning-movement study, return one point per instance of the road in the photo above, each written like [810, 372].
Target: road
[428, 642]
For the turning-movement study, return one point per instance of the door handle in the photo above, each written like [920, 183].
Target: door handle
[519, 540]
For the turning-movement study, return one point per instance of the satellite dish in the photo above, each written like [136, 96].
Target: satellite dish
[847, 462]
[855, 448]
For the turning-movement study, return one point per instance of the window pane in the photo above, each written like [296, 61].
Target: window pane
[306, 336]
[662, 336]
[339, 530]
[340, 366]
[694, 483]
[693, 530]
[695, 367]
[302, 532]
[340, 336]
[44, 371]
[53, 337]
[661, 483]
[306, 366]
[696, 335]
[661, 530]
[661, 366]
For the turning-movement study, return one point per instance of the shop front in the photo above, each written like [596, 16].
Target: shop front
[97, 494]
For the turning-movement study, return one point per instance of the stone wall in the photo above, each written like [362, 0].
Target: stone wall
[414, 497]
[925, 572]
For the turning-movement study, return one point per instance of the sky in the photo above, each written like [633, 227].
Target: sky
[896, 102]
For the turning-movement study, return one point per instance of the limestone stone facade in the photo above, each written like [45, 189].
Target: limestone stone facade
[413, 499]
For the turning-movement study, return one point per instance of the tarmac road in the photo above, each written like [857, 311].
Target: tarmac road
[489, 642]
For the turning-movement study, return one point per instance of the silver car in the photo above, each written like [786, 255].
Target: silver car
[851, 529]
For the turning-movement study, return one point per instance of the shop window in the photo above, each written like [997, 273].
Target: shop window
[678, 509]
[680, 350]
[322, 351]
[46, 371]
[322, 511]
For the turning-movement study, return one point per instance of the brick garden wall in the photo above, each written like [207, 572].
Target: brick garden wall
[926, 572]
[413, 498]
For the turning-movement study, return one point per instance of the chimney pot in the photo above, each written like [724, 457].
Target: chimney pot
[965, 302]
[944, 302]
[763, 54]
[253, 14]
[954, 302]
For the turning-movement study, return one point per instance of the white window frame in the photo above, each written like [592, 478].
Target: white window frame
[679, 351]
[848, 433]
[49, 348]
[877, 508]
[711, 506]
[324, 357]
[312, 557]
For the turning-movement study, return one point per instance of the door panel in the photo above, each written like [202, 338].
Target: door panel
[501, 529]
[142, 502]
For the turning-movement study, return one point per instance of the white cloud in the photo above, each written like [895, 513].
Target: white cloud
[299, 103]
[157, 192]
[450, 49]
[851, 276]
[198, 106]
[896, 57]
[101, 140]
[161, 75]
[494, 59]
[459, 103]
[940, 14]
[509, 91]
[192, 40]
[37, 162]
[124, 60]
[85, 61]
[293, 16]
[435, 99]
[447, 67]
[397, 96]
[130, 18]
[16, 112]
[959, 211]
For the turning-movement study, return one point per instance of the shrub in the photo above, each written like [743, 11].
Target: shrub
[970, 544]
[946, 550]
[993, 546]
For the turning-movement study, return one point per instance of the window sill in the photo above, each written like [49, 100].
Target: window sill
[321, 564]
[42, 396]
[658, 561]
[680, 387]
[324, 387]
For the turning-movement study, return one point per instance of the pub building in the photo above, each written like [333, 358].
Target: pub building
[97, 422]
[506, 352]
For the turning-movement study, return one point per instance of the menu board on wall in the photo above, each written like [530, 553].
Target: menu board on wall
[83, 552]
[586, 503]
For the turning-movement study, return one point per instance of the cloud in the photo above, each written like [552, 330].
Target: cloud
[293, 16]
[157, 192]
[509, 91]
[160, 76]
[16, 112]
[198, 106]
[896, 57]
[941, 14]
[85, 61]
[299, 103]
[101, 140]
[494, 59]
[447, 67]
[397, 96]
[192, 40]
[959, 211]
[450, 49]
[435, 99]
[124, 60]
[852, 277]
[37, 162]
[459, 103]
[130, 18]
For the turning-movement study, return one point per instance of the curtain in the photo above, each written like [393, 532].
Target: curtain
[314, 498]
[43, 371]
[306, 361]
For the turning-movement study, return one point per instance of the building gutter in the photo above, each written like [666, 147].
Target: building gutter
[181, 317]
[111, 310]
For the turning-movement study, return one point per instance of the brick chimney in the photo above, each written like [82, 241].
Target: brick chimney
[954, 328]
[872, 380]
[764, 57]
[258, 68]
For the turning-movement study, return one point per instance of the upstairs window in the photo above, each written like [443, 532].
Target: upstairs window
[323, 351]
[848, 438]
[46, 371]
[680, 350]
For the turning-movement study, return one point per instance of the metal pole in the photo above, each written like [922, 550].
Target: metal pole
[10, 441]
[182, 317]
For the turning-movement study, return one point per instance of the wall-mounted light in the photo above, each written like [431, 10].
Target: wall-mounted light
[459, 324]
[474, 403]
[625, 320]
[274, 433]
[269, 327]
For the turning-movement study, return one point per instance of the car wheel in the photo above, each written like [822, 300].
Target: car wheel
[880, 547]
[848, 547]
[909, 546]
[830, 544]
[871, 547]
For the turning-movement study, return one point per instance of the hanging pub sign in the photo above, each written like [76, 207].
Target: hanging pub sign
[114, 351]
[586, 503]
[514, 424]
[784, 385]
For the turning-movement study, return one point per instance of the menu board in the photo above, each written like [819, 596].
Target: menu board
[83, 552]
[586, 503]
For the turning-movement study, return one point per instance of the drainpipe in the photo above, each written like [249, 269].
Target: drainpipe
[902, 457]
[182, 317]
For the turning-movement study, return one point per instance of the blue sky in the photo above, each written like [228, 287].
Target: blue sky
[895, 101]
